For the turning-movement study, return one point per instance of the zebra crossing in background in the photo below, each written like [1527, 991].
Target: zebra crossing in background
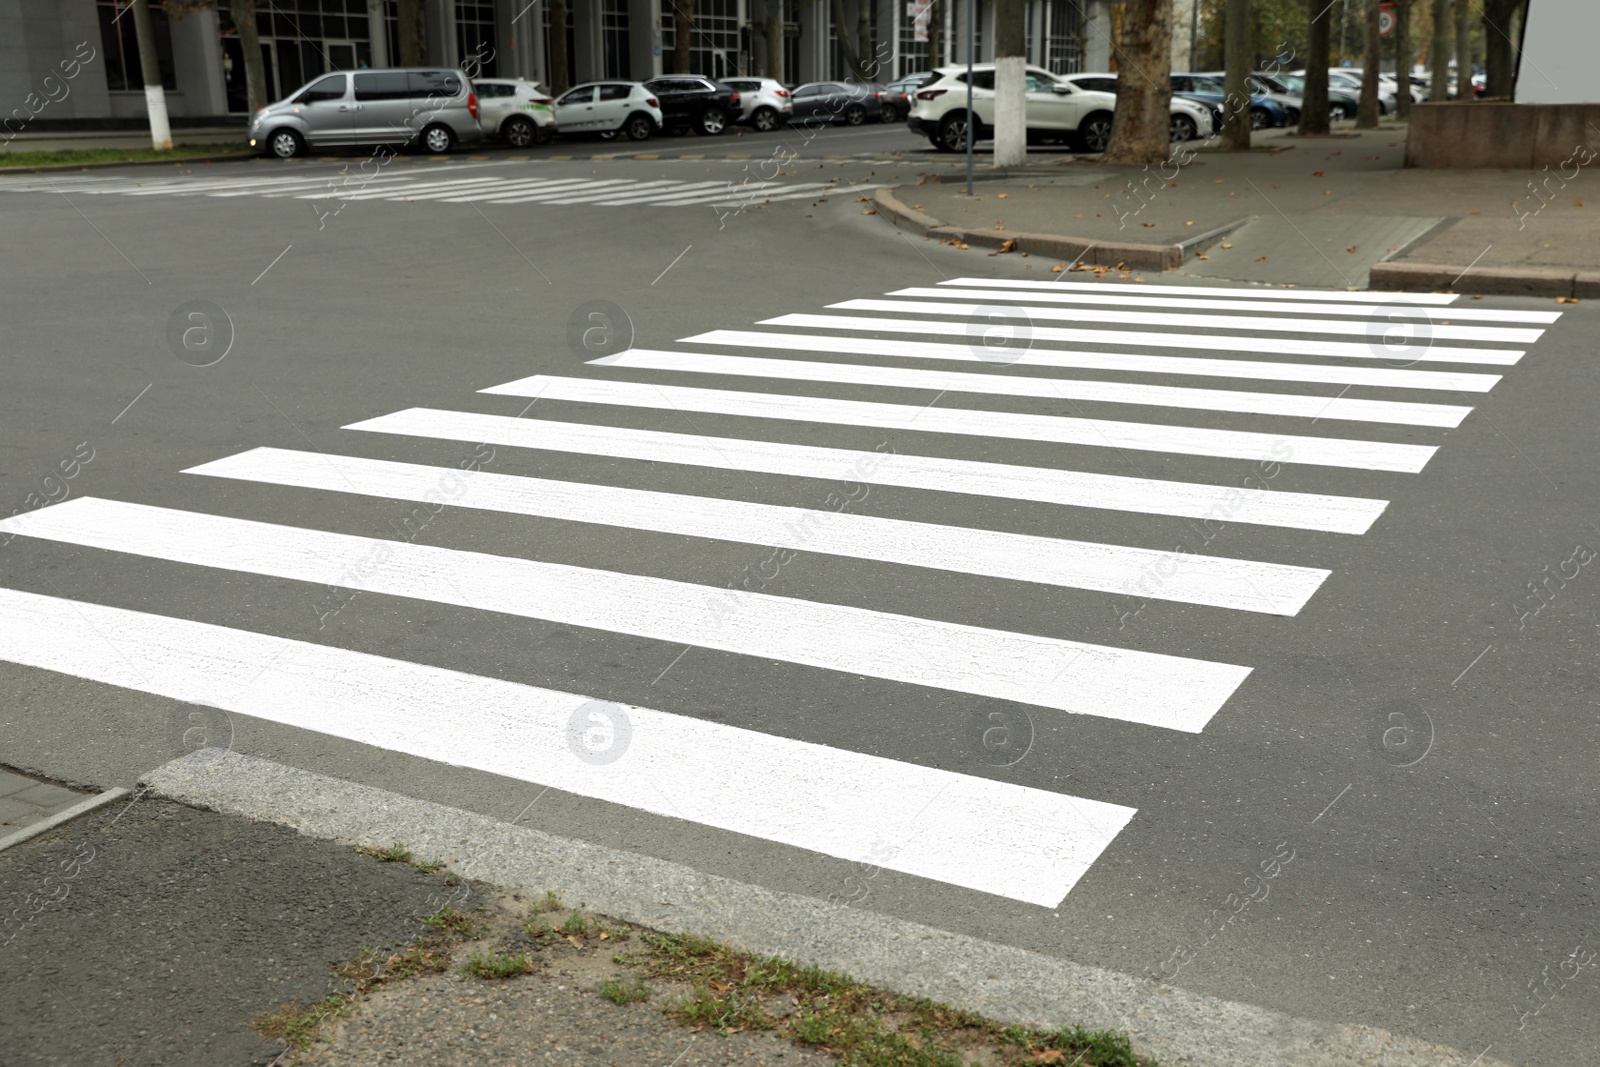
[430, 186]
[1023, 843]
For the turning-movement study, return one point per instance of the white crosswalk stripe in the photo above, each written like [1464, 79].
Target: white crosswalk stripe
[1025, 844]
[449, 188]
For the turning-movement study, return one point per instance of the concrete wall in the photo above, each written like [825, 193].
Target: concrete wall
[36, 38]
[1518, 136]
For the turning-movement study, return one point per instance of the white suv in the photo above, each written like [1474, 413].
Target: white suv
[609, 109]
[1055, 109]
[1189, 119]
[517, 110]
[767, 104]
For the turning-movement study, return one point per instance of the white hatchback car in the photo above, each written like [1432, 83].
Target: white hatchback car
[767, 104]
[519, 111]
[609, 109]
[1190, 118]
[1056, 109]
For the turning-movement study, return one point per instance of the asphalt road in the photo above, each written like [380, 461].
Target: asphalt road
[1441, 859]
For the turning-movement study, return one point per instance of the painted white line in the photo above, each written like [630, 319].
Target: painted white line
[1374, 331]
[720, 191]
[1170, 297]
[827, 192]
[628, 196]
[1096, 433]
[527, 199]
[664, 187]
[1143, 687]
[1035, 356]
[1252, 503]
[1235, 292]
[1285, 346]
[1213, 581]
[990, 836]
[1294, 405]
[390, 191]
[463, 194]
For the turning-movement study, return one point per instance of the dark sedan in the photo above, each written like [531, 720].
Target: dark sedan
[847, 102]
[690, 102]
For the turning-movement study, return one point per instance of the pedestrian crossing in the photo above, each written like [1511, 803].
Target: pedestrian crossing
[784, 378]
[429, 186]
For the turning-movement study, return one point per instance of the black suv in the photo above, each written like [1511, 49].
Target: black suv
[690, 102]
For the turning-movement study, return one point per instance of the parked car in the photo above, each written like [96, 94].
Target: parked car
[1291, 103]
[609, 109]
[1055, 109]
[851, 103]
[1349, 79]
[1264, 113]
[515, 110]
[690, 102]
[432, 107]
[912, 82]
[1189, 119]
[896, 103]
[1341, 105]
[766, 104]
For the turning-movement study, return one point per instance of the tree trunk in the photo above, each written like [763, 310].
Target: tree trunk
[773, 28]
[1236, 27]
[560, 79]
[1140, 132]
[936, 34]
[1499, 54]
[1439, 61]
[413, 33]
[852, 58]
[1314, 104]
[155, 97]
[1464, 50]
[1010, 84]
[1402, 56]
[682, 35]
[255, 71]
[1367, 110]
[864, 49]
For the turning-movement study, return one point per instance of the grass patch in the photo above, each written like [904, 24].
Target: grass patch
[498, 965]
[549, 902]
[459, 923]
[620, 992]
[857, 1024]
[297, 1026]
[395, 853]
[9, 160]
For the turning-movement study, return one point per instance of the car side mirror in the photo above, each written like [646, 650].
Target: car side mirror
[1061, 90]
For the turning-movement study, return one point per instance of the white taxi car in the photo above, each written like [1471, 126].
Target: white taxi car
[519, 111]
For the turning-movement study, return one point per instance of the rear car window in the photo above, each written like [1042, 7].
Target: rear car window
[440, 83]
[981, 79]
[615, 92]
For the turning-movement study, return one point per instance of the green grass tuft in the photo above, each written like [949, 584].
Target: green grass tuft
[619, 992]
[498, 965]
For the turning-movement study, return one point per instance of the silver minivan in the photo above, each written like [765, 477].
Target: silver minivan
[433, 107]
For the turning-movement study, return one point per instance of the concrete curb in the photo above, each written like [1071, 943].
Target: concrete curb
[1100, 253]
[1011, 984]
[43, 167]
[82, 807]
[1492, 281]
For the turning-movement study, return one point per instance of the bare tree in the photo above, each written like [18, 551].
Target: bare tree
[1314, 102]
[682, 35]
[1402, 57]
[858, 50]
[772, 30]
[1236, 27]
[1367, 109]
[1141, 129]
[1499, 53]
[255, 71]
[155, 95]
[1439, 61]
[413, 33]
[560, 77]
[1010, 84]
[1464, 50]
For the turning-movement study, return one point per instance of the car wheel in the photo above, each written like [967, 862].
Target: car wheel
[1182, 128]
[519, 132]
[855, 115]
[713, 120]
[952, 135]
[765, 119]
[286, 144]
[1338, 112]
[544, 134]
[639, 127]
[1094, 133]
[1259, 119]
[1294, 116]
[438, 140]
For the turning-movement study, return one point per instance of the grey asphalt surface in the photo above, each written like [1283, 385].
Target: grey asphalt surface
[1428, 899]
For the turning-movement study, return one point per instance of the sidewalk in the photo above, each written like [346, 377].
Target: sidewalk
[1337, 212]
[231, 136]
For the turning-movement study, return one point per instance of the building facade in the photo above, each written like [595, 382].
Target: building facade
[202, 63]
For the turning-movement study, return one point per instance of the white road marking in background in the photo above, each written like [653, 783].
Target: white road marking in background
[665, 186]
[1213, 581]
[1236, 292]
[1095, 433]
[609, 185]
[1171, 298]
[629, 197]
[1144, 687]
[460, 193]
[1027, 354]
[358, 191]
[1285, 346]
[1294, 405]
[1180, 321]
[1226, 503]
[1026, 844]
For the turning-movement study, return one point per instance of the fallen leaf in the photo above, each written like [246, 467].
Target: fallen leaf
[1226, 245]
[1048, 1055]
[1352, 248]
[1201, 255]
[1566, 300]
[869, 211]
[1189, 223]
[1327, 192]
[1318, 173]
[1001, 226]
[1217, 182]
[1477, 298]
[1261, 259]
[1001, 196]
[1009, 246]
[1147, 224]
[1444, 322]
[1577, 203]
[1058, 268]
[862, 199]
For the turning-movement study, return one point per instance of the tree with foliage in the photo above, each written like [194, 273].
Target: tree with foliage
[1140, 130]
[1314, 101]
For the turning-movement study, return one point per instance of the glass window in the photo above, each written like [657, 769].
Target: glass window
[381, 86]
[744, 86]
[584, 94]
[615, 92]
[440, 83]
[1038, 83]
[807, 90]
[981, 79]
[120, 46]
[329, 88]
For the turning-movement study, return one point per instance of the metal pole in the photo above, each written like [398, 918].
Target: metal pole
[972, 44]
